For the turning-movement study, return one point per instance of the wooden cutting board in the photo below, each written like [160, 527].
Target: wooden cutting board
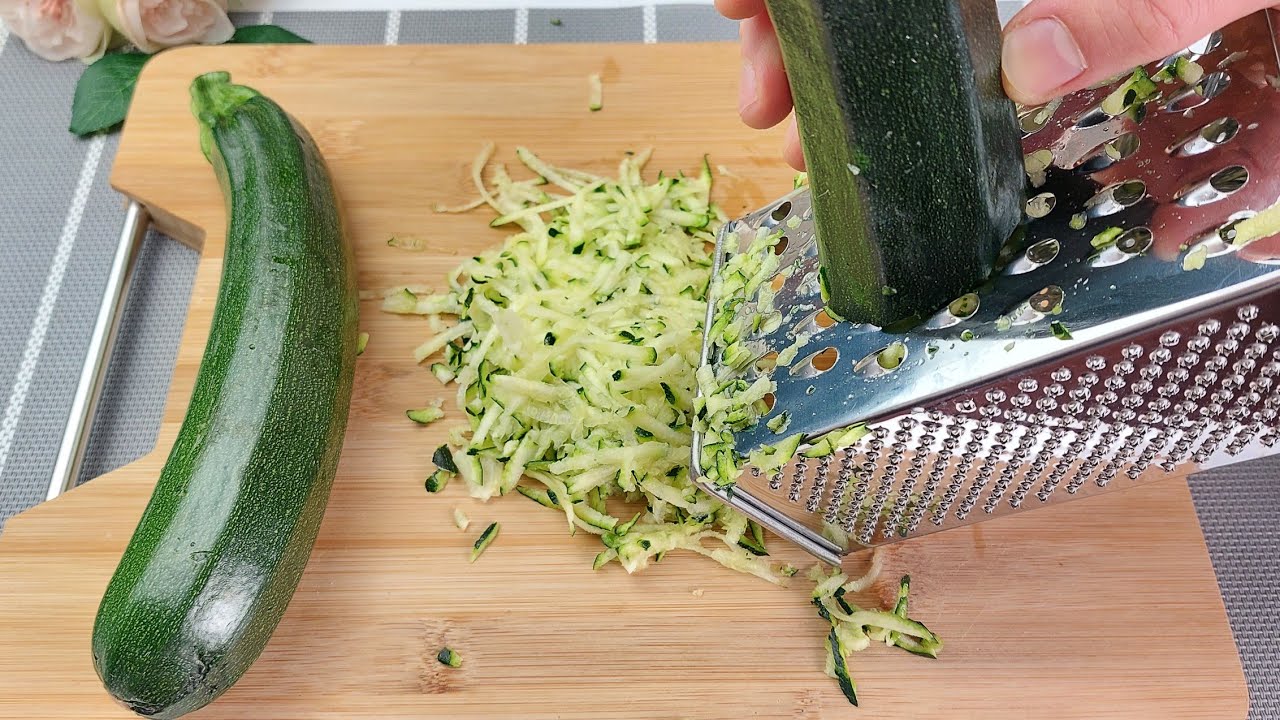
[1105, 608]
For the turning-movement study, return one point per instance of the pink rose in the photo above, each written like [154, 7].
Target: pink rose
[58, 29]
[154, 25]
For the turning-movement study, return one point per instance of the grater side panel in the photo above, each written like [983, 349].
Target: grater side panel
[1136, 411]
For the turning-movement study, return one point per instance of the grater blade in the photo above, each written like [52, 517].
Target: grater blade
[992, 411]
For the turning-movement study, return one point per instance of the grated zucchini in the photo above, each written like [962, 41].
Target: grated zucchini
[574, 349]
[1133, 93]
[595, 90]
[460, 519]
[1195, 259]
[1263, 225]
[438, 480]
[486, 539]
[854, 629]
[450, 657]
[1106, 238]
[425, 416]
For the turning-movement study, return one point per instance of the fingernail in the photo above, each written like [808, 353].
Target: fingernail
[1041, 57]
[747, 95]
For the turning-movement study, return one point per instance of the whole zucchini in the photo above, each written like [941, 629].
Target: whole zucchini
[223, 542]
[912, 147]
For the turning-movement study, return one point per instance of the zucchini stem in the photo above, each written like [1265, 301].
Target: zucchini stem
[214, 98]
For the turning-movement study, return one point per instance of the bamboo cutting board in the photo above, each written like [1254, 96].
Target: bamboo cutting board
[1105, 608]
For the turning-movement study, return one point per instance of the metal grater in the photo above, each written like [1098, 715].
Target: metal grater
[992, 411]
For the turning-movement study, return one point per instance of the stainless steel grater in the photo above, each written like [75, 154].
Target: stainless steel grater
[1078, 370]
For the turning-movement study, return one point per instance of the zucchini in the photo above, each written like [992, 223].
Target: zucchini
[425, 416]
[460, 519]
[838, 667]
[223, 542]
[914, 146]
[438, 480]
[483, 542]
[450, 657]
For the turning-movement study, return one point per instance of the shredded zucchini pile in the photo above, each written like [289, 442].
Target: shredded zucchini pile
[854, 629]
[575, 349]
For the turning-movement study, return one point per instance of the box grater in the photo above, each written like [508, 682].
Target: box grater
[1083, 366]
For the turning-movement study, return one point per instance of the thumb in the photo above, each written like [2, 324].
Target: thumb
[1054, 47]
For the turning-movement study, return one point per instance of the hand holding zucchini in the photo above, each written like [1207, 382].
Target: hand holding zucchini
[222, 544]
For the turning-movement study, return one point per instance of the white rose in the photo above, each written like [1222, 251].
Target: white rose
[58, 29]
[154, 25]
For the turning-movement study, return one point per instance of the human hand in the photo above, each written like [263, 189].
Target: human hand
[1052, 47]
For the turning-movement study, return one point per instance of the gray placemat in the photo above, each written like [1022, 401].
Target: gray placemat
[60, 222]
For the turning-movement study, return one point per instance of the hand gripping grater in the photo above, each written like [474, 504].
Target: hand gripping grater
[1077, 370]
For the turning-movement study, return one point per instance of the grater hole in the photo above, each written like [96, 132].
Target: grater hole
[769, 401]
[1047, 300]
[825, 360]
[778, 282]
[959, 310]
[1219, 132]
[1196, 50]
[1110, 153]
[1035, 308]
[883, 361]
[1220, 186]
[1092, 117]
[1041, 205]
[1200, 94]
[781, 212]
[1035, 257]
[1116, 198]
[817, 363]
[1033, 120]
[1131, 244]
[768, 362]
[1205, 45]
[1226, 234]
[781, 246]
[816, 322]
[1230, 180]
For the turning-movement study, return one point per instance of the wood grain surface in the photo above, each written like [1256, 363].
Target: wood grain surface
[1104, 608]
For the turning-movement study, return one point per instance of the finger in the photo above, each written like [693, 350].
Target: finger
[740, 9]
[791, 149]
[1054, 47]
[765, 96]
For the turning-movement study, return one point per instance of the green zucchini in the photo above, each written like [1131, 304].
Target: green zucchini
[223, 542]
[912, 148]
[425, 416]
[438, 480]
[486, 539]
[450, 657]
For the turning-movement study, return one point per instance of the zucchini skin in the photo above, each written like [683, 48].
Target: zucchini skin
[223, 542]
[913, 149]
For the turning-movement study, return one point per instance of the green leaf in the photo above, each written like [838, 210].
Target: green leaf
[104, 92]
[265, 35]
